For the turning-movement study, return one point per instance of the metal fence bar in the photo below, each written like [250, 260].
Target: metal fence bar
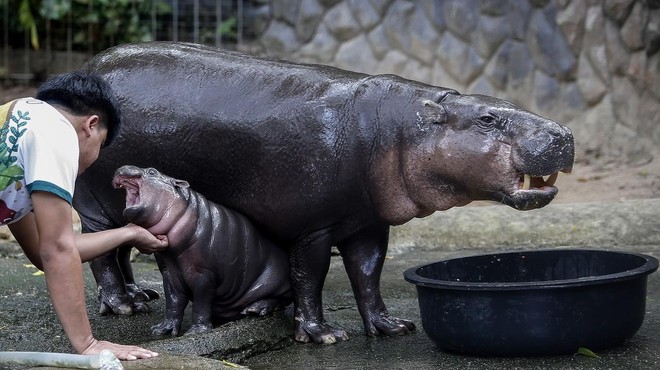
[5, 52]
[218, 23]
[186, 20]
[175, 20]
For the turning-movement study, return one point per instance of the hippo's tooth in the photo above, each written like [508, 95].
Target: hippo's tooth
[527, 180]
[551, 179]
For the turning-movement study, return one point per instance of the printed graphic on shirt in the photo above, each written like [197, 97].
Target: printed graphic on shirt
[11, 174]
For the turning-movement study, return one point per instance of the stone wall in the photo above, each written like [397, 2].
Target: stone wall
[591, 64]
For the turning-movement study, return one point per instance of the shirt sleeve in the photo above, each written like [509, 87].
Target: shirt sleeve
[50, 156]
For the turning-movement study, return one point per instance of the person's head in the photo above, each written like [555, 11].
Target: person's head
[89, 103]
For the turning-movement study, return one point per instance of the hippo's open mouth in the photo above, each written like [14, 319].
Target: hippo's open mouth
[132, 186]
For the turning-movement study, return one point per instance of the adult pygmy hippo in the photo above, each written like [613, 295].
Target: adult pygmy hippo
[216, 258]
[315, 156]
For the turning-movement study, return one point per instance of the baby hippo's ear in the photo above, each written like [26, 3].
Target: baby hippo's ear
[433, 112]
[180, 183]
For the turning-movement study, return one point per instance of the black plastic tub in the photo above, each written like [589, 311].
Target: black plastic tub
[531, 303]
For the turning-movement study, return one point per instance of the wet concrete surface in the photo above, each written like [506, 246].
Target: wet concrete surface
[28, 323]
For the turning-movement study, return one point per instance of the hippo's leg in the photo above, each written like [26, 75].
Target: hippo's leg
[175, 304]
[117, 292]
[363, 255]
[309, 267]
[263, 307]
[138, 294]
[203, 296]
[111, 289]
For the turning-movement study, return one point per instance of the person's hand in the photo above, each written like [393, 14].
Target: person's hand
[123, 352]
[146, 242]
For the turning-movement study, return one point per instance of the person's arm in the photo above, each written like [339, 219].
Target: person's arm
[47, 238]
[92, 245]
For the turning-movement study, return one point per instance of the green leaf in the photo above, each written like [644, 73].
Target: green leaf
[587, 352]
[10, 175]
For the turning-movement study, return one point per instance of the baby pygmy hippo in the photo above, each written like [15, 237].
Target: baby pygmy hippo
[217, 259]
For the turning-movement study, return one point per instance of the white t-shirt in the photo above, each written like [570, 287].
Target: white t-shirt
[38, 152]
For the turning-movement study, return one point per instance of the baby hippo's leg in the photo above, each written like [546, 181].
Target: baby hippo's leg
[176, 301]
[203, 297]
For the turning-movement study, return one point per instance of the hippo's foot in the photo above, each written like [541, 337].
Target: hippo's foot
[263, 307]
[199, 328]
[388, 325]
[168, 326]
[139, 294]
[318, 332]
[122, 304]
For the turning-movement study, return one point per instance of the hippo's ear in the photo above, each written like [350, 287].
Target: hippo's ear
[433, 112]
[180, 183]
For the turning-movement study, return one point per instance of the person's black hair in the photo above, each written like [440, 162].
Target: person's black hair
[82, 94]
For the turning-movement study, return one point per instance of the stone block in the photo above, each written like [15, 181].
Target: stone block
[435, 13]
[461, 17]
[570, 102]
[341, 23]
[493, 7]
[571, 23]
[461, 60]
[309, 16]
[441, 77]
[592, 130]
[625, 145]
[636, 70]
[378, 41]
[653, 76]
[424, 38]
[520, 66]
[625, 101]
[617, 10]
[321, 49]
[652, 32]
[490, 33]
[616, 51]
[355, 55]
[549, 48]
[393, 62]
[482, 86]
[279, 39]
[591, 86]
[414, 70]
[365, 13]
[286, 11]
[380, 5]
[594, 42]
[518, 15]
[397, 25]
[497, 69]
[632, 31]
[546, 93]
[649, 116]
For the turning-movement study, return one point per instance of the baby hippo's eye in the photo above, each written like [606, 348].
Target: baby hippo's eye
[152, 171]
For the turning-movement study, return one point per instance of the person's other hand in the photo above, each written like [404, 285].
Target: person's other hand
[123, 352]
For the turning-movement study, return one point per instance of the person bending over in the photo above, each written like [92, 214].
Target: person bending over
[45, 143]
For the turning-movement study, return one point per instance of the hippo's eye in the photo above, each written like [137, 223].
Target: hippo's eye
[487, 122]
[151, 171]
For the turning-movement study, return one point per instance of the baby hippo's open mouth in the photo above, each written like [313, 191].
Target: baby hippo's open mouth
[132, 186]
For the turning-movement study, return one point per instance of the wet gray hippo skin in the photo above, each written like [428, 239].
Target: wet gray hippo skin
[216, 258]
[315, 156]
